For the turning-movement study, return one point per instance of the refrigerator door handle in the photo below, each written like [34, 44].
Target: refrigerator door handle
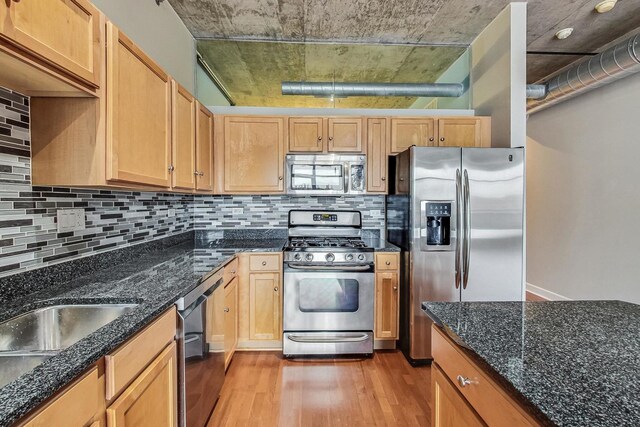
[458, 227]
[466, 251]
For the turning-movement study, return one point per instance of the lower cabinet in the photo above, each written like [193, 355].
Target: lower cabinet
[450, 409]
[265, 302]
[387, 299]
[152, 399]
[230, 320]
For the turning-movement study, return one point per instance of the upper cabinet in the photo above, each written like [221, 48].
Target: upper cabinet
[328, 134]
[66, 34]
[464, 132]
[204, 148]
[406, 132]
[183, 138]
[138, 114]
[250, 154]
[377, 149]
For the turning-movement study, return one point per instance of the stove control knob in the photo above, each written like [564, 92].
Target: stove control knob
[348, 257]
[309, 257]
[361, 257]
[297, 257]
[330, 257]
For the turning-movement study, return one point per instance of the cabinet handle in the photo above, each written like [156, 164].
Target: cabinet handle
[388, 262]
[431, 139]
[319, 138]
[280, 178]
[196, 173]
[442, 138]
[330, 138]
[233, 272]
[226, 309]
[171, 168]
[401, 179]
[275, 289]
[464, 381]
[264, 262]
[395, 288]
[383, 179]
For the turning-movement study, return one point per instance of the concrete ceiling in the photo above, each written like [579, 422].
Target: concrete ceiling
[448, 22]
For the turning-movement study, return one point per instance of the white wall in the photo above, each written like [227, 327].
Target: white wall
[207, 91]
[159, 32]
[583, 195]
[498, 76]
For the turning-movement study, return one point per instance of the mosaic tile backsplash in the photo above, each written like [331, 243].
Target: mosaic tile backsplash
[117, 219]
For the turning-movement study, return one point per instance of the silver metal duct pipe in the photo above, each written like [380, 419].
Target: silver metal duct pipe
[536, 91]
[610, 65]
[341, 90]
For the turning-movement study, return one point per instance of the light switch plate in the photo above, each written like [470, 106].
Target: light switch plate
[70, 220]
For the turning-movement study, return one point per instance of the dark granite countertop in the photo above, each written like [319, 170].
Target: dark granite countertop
[573, 363]
[153, 275]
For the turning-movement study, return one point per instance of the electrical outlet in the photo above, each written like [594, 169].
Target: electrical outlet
[171, 213]
[70, 220]
[237, 211]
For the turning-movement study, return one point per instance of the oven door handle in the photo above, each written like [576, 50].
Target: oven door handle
[330, 267]
[327, 338]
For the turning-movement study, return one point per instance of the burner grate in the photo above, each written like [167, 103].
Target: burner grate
[326, 242]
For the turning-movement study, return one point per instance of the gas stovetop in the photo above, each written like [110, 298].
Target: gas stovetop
[350, 243]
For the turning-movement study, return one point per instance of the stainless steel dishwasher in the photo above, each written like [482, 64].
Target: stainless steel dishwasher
[200, 350]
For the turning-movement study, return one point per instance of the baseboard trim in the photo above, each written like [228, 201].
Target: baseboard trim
[543, 293]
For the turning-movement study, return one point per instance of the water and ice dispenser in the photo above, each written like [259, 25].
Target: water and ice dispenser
[437, 225]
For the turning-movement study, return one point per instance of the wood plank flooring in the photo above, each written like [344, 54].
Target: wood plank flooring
[263, 389]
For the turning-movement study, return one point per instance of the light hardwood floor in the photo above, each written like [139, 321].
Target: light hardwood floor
[263, 389]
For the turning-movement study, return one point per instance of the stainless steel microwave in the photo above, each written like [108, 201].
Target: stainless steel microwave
[326, 174]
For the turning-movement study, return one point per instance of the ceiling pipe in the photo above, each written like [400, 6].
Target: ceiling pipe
[341, 90]
[536, 91]
[612, 64]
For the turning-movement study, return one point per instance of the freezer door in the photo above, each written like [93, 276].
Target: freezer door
[432, 276]
[493, 183]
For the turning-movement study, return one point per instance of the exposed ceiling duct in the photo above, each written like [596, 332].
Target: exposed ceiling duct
[342, 90]
[612, 64]
[536, 91]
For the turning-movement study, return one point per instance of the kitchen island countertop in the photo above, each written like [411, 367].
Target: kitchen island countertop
[572, 363]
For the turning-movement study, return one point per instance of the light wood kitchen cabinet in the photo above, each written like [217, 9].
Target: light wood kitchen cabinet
[265, 302]
[464, 132]
[230, 320]
[387, 288]
[76, 405]
[344, 134]
[408, 131]
[249, 154]
[152, 399]
[66, 34]
[183, 138]
[450, 409]
[204, 148]
[464, 394]
[377, 151]
[306, 134]
[138, 114]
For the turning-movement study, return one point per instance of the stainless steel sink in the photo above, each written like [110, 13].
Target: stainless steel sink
[57, 327]
[12, 365]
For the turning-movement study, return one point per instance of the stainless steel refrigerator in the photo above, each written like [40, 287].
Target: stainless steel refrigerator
[457, 214]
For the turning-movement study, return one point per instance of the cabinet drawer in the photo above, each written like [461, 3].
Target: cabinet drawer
[489, 400]
[125, 363]
[230, 271]
[265, 262]
[387, 261]
[75, 406]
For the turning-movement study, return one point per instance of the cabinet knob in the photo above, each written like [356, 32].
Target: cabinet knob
[264, 262]
[442, 138]
[464, 381]
[431, 139]
[383, 179]
[280, 178]
[196, 173]
[401, 179]
[233, 272]
[275, 289]
[388, 262]
[395, 288]
[319, 138]
[171, 168]
[330, 138]
[226, 309]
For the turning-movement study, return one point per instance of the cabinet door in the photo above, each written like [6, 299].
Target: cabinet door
[377, 140]
[406, 132]
[183, 138]
[387, 305]
[344, 134]
[460, 132]
[230, 320]
[253, 154]
[151, 400]
[450, 409]
[66, 33]
[264, 306]
[306, 134]
[138, 115]
[204, 148]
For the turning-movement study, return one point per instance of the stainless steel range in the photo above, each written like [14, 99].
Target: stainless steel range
[328, 285]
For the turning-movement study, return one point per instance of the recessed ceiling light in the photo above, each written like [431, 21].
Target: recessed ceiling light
[605, 6]
[564, 33]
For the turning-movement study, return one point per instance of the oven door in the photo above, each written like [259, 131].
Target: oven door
[327, 300]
